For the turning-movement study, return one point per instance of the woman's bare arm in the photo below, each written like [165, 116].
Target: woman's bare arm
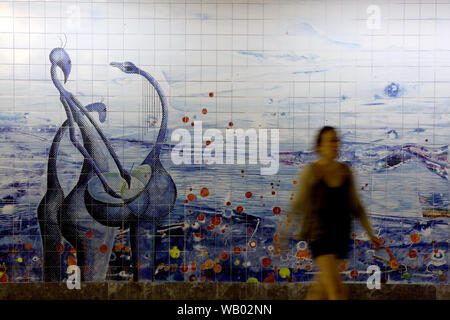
[359, 210]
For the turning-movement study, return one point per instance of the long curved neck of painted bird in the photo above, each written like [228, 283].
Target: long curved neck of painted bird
[56, 81]
[156, 150]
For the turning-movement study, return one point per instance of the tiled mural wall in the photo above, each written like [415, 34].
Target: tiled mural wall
[118, 122]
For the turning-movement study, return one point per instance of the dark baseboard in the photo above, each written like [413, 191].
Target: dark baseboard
[210, 291]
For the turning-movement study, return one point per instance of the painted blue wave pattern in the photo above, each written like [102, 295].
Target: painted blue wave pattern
[226, 237]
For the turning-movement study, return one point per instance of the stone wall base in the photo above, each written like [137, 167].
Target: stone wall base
[210, 291]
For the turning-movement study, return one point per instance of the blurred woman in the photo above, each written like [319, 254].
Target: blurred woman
[325, 204]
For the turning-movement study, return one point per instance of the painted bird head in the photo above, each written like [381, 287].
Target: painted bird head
[59, 57]
[127, 66]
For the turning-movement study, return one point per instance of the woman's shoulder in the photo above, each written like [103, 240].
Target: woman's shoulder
[314, 166]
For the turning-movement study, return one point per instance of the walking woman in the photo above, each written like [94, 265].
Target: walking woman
[325, 204]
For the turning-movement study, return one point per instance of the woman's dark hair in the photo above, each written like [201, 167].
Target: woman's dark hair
[320, 134]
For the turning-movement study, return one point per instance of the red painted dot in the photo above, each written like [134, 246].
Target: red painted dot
[192, 124]
[261, 197]
[201, 217]
[211, 227]
[230, 124]
[208, 142]
[269, 278]
[354, 274]
[204, 111]
[185, 119]
[412, 253]
[191, 197]
[59, 247]
[216, 220]
[184, 268]
[276, 210]
[228, 203]
[248, 194]
[211, 94]
[186, 201]
[103, 248]
[89, 234]
[239, 209]
[237, 250]
[266, 262]
[242, 171]
[250, 231]
[204, 192]
[273, 192]
[224, 256]
[426, 140]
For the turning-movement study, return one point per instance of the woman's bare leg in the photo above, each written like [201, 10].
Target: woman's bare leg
[317, 290]
[331, 279]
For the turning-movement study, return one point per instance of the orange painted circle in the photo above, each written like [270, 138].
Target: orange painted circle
[415, 238]
[204, 192]
[217, 268]
[266, 262]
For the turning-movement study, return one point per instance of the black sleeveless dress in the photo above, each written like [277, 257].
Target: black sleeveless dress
[333, 217]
